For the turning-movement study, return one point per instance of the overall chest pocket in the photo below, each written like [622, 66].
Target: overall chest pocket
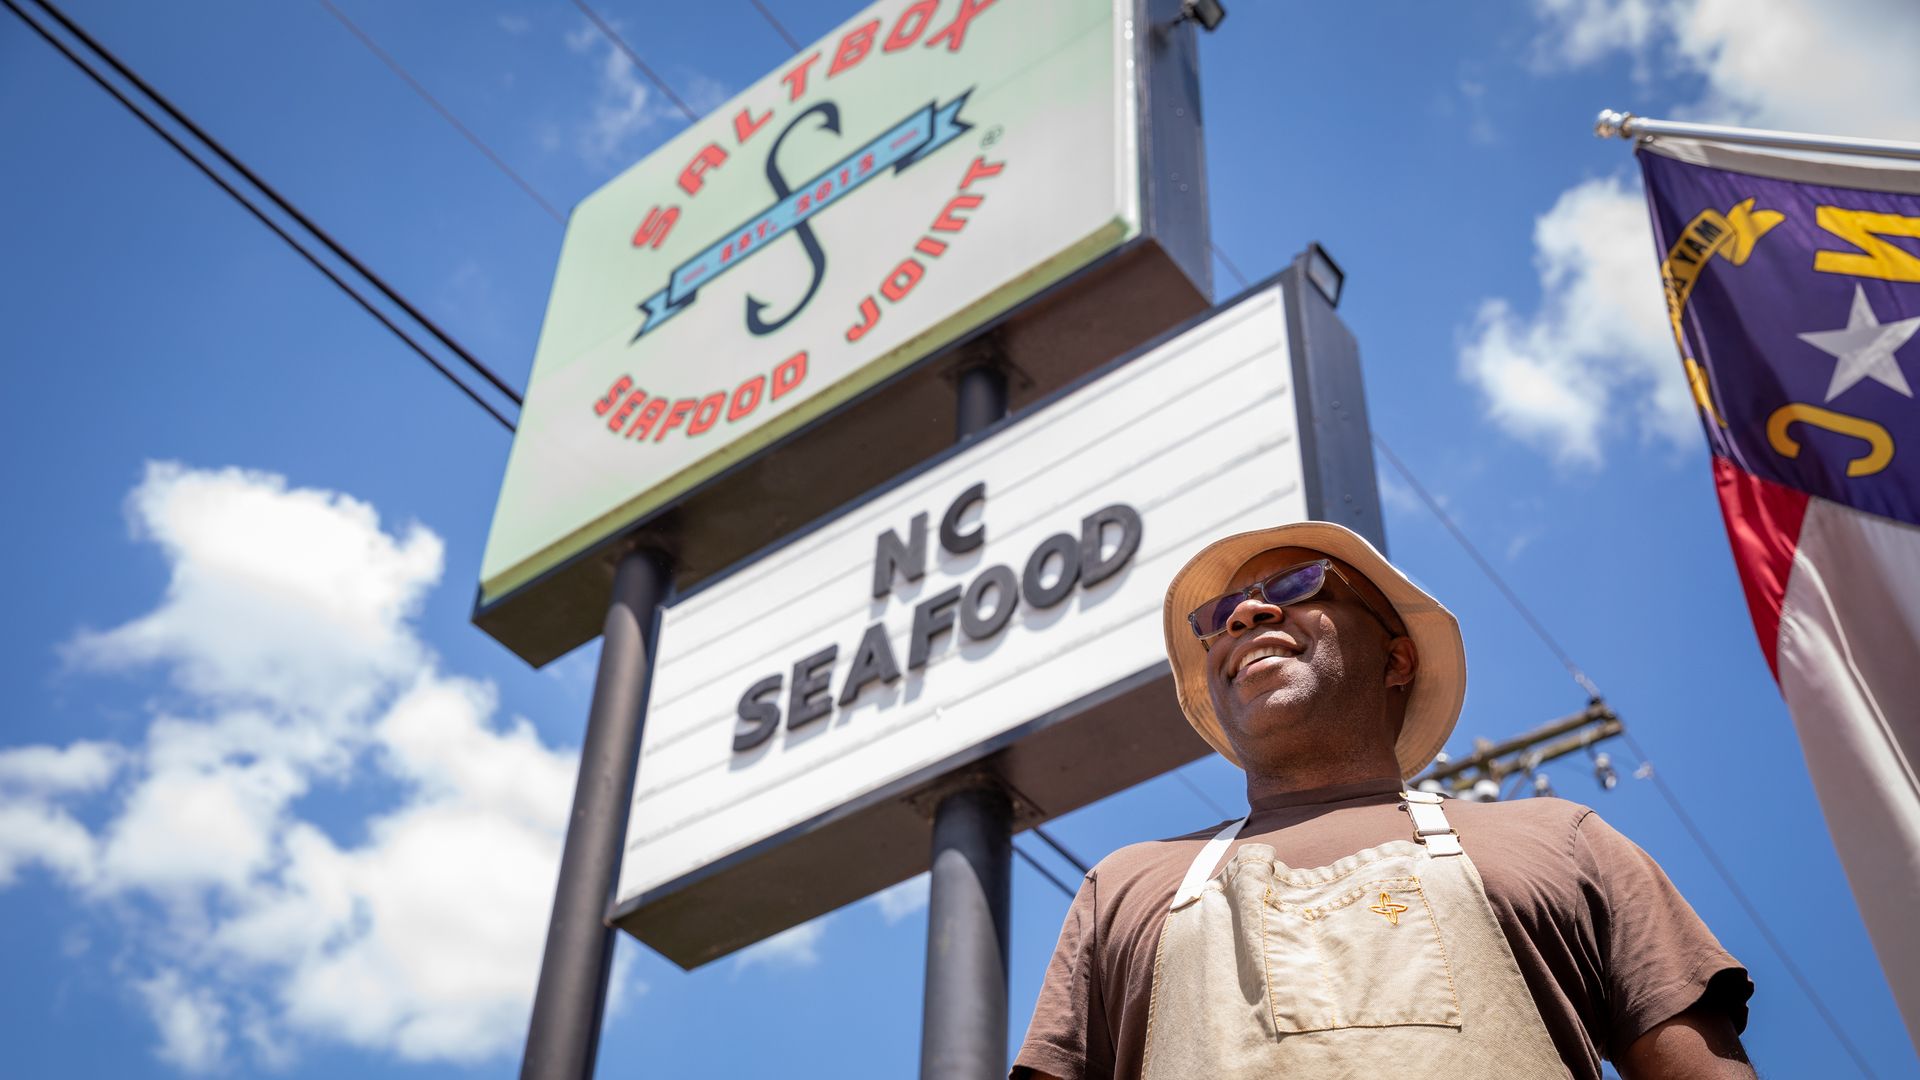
[1362, 955]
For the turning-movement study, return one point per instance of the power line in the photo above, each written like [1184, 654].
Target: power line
[332, 245]
[1228, 263]
[1043, 871]
[775, 23]
[1486, 568]
[221, 182]
[1660, 785]
[1740, 896]
[1580, 676]
[621, 44]
[1078, 863]
[447, 114]
[1202, 796]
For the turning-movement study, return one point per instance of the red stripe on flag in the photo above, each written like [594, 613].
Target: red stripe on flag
[1763, 525]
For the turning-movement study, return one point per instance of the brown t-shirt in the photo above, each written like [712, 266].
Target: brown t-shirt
[1606, 944]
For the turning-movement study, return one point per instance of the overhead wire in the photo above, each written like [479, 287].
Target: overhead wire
[633, 56]
[1205, 798]
[1660, 785]
[480, 368]
[1228, 263]
[1043, 871]
[1053, 842]
[1746, 905]
[273, 195]
[260, 215]
[1513, 599]
[395, 66]
[1587, 684]
[775, 23]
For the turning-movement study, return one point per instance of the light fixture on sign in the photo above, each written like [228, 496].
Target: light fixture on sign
[1326, 275]
[1207, 13]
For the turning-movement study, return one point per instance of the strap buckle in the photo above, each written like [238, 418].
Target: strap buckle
[1430, 825]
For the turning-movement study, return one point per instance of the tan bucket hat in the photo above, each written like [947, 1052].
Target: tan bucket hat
[1439, 683]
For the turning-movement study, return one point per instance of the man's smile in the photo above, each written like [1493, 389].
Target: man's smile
[1258, 653]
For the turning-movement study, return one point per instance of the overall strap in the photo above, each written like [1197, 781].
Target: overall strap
[1430, 825]
[1204, 863]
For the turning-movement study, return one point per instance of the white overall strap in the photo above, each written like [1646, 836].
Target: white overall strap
[1430, 825]
[1205, 862]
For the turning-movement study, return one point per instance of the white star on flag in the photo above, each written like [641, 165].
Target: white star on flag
[1865, 348]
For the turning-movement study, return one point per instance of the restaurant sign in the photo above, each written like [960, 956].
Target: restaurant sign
[1003, 600]
[921, 169]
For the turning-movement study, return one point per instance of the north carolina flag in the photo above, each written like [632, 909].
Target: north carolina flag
[1794, 292]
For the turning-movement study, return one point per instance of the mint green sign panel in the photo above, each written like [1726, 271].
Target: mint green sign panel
[909, 176]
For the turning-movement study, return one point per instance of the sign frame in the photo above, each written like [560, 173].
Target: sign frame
[1153, 281]
[1105, 741]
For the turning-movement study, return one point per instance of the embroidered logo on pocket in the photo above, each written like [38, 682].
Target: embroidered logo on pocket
[1366, 956]
[1389, 908]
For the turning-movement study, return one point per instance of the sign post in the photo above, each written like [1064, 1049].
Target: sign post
[564, 1033]
[963, 1027]
[964, 1010]
[942, 208]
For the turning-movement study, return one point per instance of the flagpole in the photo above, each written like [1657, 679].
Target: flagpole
[1628, 126]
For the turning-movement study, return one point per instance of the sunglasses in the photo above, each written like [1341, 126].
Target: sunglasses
[1293, 585]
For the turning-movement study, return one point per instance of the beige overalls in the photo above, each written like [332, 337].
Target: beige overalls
[1384, 963]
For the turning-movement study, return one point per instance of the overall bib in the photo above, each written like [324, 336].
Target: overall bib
[1384, 963]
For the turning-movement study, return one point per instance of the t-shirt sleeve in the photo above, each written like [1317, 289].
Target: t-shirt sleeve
[1068, 1009]
[1661, 960]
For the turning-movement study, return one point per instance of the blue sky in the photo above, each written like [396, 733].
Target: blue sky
[270, 805]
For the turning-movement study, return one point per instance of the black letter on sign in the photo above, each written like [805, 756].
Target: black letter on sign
[829, 121]
[1045, 596]
[810, 700]
[764, 716]
[1093, 568]
[872, 661]
[950, 537]
[890, 554]
[933, 616]
[1006, 597]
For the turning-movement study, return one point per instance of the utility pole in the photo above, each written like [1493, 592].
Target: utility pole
[1482, 775]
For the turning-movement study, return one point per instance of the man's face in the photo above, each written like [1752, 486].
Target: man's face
[1315, 676]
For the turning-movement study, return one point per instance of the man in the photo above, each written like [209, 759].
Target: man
[1349, 928]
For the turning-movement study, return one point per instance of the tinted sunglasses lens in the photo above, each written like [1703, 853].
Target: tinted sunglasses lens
[1287, 587]
[1211, 617]
[1295, 585]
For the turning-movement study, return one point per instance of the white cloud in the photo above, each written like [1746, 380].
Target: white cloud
[622, 108]
[1596, 350]
[289, 599]
[192, 1022]
[1582, 31]
[208, 812]
[899, 901]
[797, 947]
[32, 831]
[1839, 66]
[80, 767]
[286, 634]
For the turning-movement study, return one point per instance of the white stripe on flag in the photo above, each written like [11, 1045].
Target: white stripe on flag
[1850, 673]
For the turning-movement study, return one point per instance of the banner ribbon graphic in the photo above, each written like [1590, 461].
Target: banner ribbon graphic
[905, 144]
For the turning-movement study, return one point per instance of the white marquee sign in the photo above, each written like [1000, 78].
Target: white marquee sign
[1005, 583]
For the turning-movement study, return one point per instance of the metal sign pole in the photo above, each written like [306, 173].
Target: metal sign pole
[964, 1018]
[564, 1034]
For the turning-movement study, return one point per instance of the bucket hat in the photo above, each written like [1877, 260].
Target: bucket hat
[1439, 682]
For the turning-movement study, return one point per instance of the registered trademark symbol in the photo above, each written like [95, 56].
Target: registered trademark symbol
[992, 136]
